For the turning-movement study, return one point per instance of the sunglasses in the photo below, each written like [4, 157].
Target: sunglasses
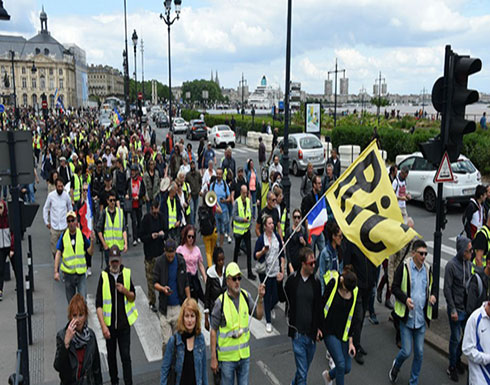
[274, 200]
[85, 190]
[297, 216]
[190, 236]
[311, 263]
[237, 278]
[70, 220]
[112, 200]
[422, 253]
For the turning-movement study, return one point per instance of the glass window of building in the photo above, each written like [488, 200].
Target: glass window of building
[61, 84]
[24, 100]
[23, 70]
[51, 83]
[60, 71]
[24, 83]
[34, 83]
[51, 71]
[42, 83]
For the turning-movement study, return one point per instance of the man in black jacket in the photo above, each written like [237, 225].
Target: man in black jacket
[152, 237]
[303, 292]
[170, 279]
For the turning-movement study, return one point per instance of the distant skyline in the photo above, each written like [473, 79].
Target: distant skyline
[404, 40]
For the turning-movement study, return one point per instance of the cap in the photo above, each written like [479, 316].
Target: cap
[74, 155]
[134, 167]
[114, 253]
[170, 245]
[232, 270]
[107, 177]
[62, 158]
[71, 214]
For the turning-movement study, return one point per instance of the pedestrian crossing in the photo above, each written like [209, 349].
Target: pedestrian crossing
[240, 150]
[147, 328]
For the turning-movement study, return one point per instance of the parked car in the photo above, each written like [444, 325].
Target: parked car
[179, 126]
[304, 149]
[221, 134]
[155, 111]
[421, 186]
[144, 115]
[197, 129]
[162, 121]
[105, 122]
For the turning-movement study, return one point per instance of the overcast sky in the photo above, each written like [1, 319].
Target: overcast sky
[403, 39]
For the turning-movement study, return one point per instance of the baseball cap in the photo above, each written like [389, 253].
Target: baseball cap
[114, 253]
[62, 158]
[71, 214]
[232, 270]
[107, 177]
[170, 245]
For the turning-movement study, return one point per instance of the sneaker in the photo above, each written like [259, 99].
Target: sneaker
[331, 362]
[229, 238]
[268, 328]
[460, 367]
[153, 308]
[378, 296]
[326, 378]
[389, 304]
[1, 295]
[393, 373]
[135, 242]
[453, 374]
[373, 319]
[139, 240]
[89, 271]
[273, 314]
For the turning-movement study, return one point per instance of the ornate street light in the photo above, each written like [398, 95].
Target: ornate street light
[134, 38]
[3, 12]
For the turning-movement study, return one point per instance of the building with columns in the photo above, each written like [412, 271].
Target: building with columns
[105, 81]
[41, 65]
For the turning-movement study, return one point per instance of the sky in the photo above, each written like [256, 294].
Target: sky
[404, 40]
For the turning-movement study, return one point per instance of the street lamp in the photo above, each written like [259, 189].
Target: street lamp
[125, 63]
[285, 162]
[134, 38]
[169, 21]
[3, 12]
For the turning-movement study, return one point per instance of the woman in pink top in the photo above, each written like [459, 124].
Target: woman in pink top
[193, 261]
[251, 174]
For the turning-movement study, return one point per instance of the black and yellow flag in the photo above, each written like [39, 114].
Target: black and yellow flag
[366, 208]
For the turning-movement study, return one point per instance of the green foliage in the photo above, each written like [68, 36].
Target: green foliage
[162, 90]
[196, 87]
[476, 146]
[381, 102]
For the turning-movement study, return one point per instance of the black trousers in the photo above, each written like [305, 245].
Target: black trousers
[238, 240]
[136, 221]
[121, 337]
[361, 307]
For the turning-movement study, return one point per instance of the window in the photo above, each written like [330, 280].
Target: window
[61, 84]
[23, 70]
[41, 71]
[310, 142]
[407, 163]
[34, 83]
[34, 100]
[60, 72]
[51, 71]
[24, 100]
[42, 83]
[420, 164]
[51, 83]
[24, 83]
[51, 101]
[38, 51]
[46, 51]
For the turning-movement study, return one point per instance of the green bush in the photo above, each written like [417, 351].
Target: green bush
[476, 146]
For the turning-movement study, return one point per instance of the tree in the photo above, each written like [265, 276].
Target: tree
[380, 102]
[196, 87]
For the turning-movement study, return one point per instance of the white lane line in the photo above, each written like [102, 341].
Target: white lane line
[452, 239]
[147, 327]
[445, 249]
[268, 373]
[93, 322]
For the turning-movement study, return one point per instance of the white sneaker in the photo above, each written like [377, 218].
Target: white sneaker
[135, 242]
[89, 271]
[273, 314]
[139, 240]
[268, 328]
[326, 378]
[331, 362]
[229, 238]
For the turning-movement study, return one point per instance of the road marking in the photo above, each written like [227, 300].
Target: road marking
[93, 322]
[268, 373]
[445, 249]
[453, 239]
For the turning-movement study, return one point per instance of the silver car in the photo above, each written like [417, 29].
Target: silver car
[304, 149]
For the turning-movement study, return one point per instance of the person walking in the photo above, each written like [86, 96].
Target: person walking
[483, 121]
[230, 334]
[306, 205]
[298, 238]
[86, 224]
[57, 205]
[77, 358]
[457, 274]
[207, 228]
[242, 217]
[172, 212]
[252, 184]
[151, 180]
[152, 237]
[170, 280]
[330, 259]
[70, 252]
[400, 187]
[306, 182]
[414, 298]
[481, 244]
[193, 262]
[270, 264]
[335, 161]
[262, 153]
[6, 243]
[303, 293]
[194, 179]
[135, 192]
[186, 349]
[476, 345]
[215, 283]
[223, 196]
[116, 312]
[474, 214]
[478, 288]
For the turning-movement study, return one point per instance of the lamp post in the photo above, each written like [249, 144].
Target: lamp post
[379, 95]
[285, 161]
[125, 62]
[16, 112]
[169, 21]
[336, 71]
[3, 12]
[142, 69]
[134, 38]
[243, 82]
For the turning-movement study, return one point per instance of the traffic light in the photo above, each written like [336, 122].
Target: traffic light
[450, 96]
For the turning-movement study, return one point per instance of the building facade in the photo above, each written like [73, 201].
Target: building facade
[41, 66]
[105, 81]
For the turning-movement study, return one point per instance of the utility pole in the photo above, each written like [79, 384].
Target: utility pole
[143, 70]
[242, 85]
[379, 94]
[335, 93]
[423, 101]
[126, 69]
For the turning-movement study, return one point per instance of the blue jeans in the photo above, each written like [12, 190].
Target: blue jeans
[253, 195]
[75, 283]
[194, 207]
[319, 241]
[455, 340]
[222, 221]
[339, 350]
[408, 336]
[304, 349]
[229, 368]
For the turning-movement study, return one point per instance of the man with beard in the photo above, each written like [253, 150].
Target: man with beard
[58, 204]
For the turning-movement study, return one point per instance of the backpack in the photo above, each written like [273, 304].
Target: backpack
[206, 220]
[227, 189]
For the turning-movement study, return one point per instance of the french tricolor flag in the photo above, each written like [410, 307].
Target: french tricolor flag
[86, 215]
[317, 218]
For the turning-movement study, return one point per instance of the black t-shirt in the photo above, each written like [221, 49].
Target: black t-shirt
[480, 242]
[237, 186]
[274, 213]
[188, 370]
[337, 316]
[304, 304]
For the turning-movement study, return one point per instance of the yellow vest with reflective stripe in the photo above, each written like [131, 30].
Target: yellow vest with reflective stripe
[113, 231]
[400, 308]
[335, 275]
[73, 261]
[186, 189]
[283, 221]
[130, 307]
[36, 142]
[486, 231]
[172, 213]
[263, 194]
[244, 213]
[234, 337]
[77, 188]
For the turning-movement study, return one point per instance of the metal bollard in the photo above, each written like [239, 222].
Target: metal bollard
[30, 263]
[30, 308]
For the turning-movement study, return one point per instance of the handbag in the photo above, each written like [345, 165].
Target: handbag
[172, 374]
[260, 267]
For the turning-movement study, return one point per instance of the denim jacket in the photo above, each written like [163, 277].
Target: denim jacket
[328, 260]
[199, 359]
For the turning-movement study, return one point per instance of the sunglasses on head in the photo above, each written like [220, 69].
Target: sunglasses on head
[237, 278]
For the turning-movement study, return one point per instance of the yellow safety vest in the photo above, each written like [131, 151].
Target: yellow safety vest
[335, 275]
[486, 231]
[77, 188]
[232, 346]
[400, 308]
[263, 195]
[36, 143]
[72, 167]
[186, 189]
[283, 221]
[242, 227]
[113, 231]
[172, 213]
[73, 261]
[130, 307]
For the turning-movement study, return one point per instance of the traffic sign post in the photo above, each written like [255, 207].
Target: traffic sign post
[444, 172]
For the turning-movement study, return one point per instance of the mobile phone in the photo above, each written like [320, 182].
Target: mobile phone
[267, 247]
[170, 290]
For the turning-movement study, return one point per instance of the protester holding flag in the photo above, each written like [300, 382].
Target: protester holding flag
[84, 210]
[316, 219]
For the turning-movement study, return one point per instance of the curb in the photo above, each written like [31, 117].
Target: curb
[441, 345]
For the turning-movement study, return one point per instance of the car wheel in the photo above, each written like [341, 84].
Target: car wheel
[295, 169]
[232, 144]
[430, 199]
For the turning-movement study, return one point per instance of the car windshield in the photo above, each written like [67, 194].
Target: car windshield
[223, 128]
[179, 121]
[463, 167]
[310, 142]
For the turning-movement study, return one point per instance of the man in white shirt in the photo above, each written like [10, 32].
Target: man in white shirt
[275, 166]
[58, 204]
[122, 151]
[476, 345]
[400, 187]
[206, 178]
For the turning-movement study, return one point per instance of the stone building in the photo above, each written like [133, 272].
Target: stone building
[105, 81]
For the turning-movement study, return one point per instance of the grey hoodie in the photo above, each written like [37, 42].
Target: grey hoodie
[457, 273]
